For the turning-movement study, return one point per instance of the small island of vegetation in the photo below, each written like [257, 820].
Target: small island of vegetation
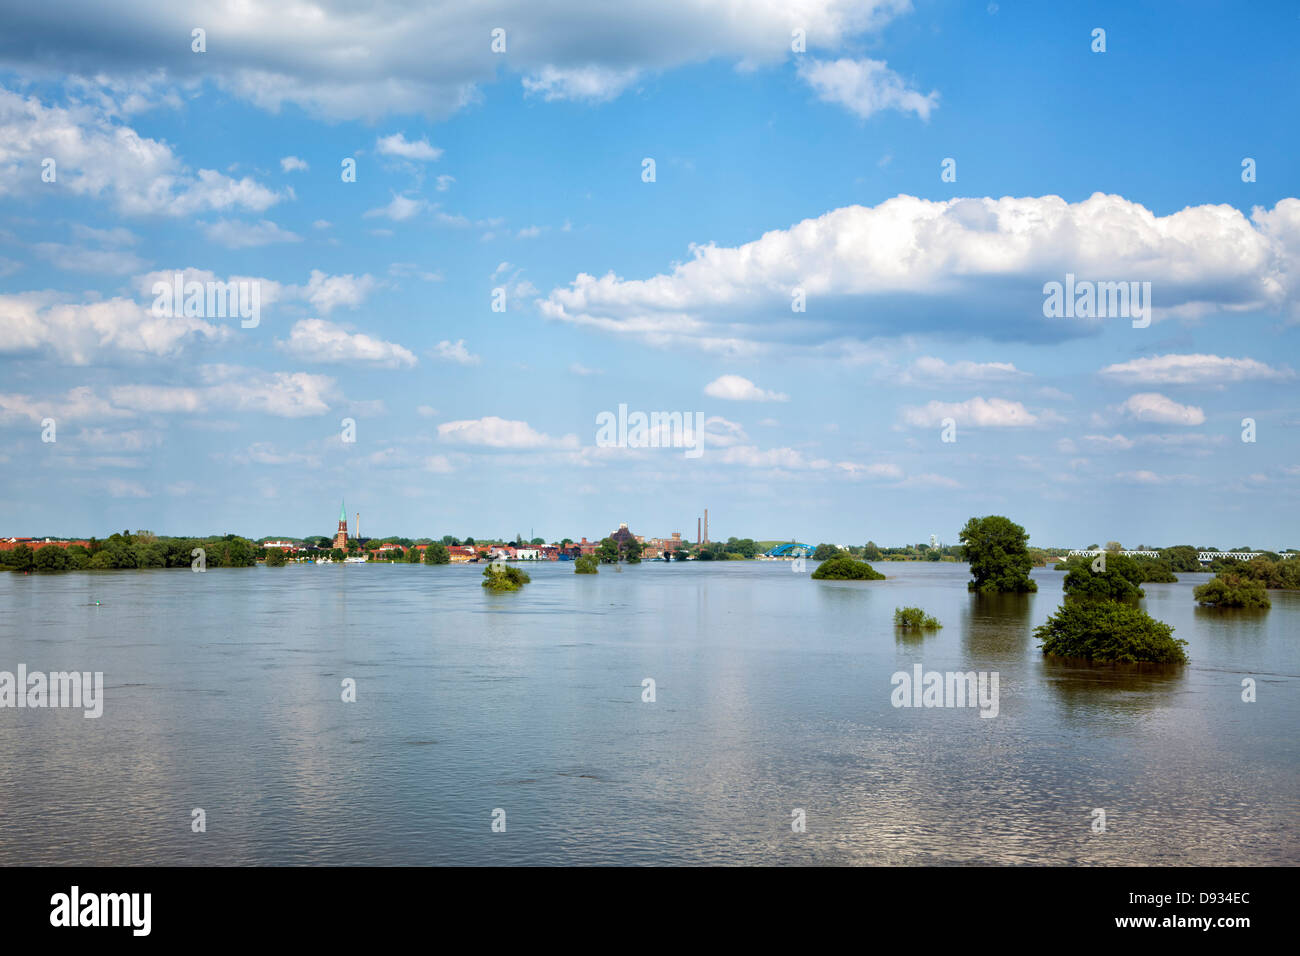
[915, 618]
[1109, 632]
[844, 568]
[1232, 590]
[587, 564]
[504, 578]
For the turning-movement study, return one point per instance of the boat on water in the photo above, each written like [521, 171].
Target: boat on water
[356, 559]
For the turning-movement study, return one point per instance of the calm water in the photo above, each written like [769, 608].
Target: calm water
[773, 693]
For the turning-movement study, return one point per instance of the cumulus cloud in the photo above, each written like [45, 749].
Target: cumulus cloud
[80, 332]
[1193, 370]
[100, 158]
[1154, 407]
[493, 432]
[315, 340]
[292, 164]
[400, 209]
[398, 145]
[737, 389]
[417, 56]
[959, 267]
[456, 352]
[975, 412]
[244, 235]
[865, 87]
[231, 388]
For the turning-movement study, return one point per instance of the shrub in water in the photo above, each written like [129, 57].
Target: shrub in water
[1231, 590]
[1109, 631]
[844, 568]
[587, 564]
[504, 578]
[914, 617]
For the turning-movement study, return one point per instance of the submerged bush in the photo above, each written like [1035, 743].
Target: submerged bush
[1231, 590]
[504, 578]
[914, 617]
[843, 568]
[587, 564]
[1109, 631]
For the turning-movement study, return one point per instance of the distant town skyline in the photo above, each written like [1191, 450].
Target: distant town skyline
[902, 271]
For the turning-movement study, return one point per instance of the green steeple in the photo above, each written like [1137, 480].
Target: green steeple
[343, 512]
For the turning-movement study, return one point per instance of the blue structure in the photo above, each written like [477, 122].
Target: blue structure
[792, 550]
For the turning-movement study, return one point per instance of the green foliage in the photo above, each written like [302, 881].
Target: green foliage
[844, 568]
[607, 552]
[1232, 590]
[275, 558]
[1119, 582]
[504, 578]
[745, 547]
[1109, 631]
[824, 552]
[633, 551]
[871, 552]
[437, 553]
[997, 549]
[1181, 557]
[914, 617]
[586, 564]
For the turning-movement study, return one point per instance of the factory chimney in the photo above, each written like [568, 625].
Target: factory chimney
[706, 525]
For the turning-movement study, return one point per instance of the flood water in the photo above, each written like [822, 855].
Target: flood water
[772, 694]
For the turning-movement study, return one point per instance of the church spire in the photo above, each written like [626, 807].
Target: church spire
[343, 512]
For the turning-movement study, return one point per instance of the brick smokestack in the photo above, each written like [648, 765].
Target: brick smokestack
[706, 525]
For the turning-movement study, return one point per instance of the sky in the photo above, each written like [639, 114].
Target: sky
[826, 229]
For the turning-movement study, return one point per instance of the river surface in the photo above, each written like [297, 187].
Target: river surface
[223, 691]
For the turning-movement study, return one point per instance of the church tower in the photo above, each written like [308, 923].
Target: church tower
[341, 538]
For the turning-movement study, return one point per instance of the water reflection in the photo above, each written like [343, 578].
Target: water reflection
[996, 627]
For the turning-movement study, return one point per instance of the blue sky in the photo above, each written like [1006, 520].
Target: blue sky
[774, 170]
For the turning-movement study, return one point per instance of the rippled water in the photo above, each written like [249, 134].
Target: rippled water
[773, 693]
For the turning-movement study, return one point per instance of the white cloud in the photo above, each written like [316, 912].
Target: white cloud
[975, 412]
[929, 370]
[493, 432]
[431, 56]
[443, 182]
[400, 209]
[594, 84]
[80, 332]
[1192, 370]
[456, 352]
[76, 258]
[865, 87]
[292, 164]
[230, 388]
[102, 159]
[244, 235]
[737, 389]
[957, 267]
[398, 145]
[1116, 441]
[1147, 477]
[1154, 407]
[315, 340]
